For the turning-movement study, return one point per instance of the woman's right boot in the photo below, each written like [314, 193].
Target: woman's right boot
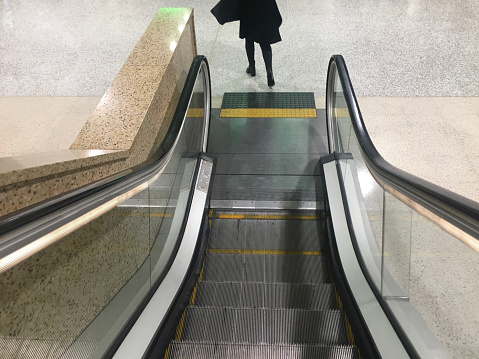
[269, 74]
[251, 69]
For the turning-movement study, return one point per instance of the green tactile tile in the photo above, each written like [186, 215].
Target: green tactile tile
[268, 100]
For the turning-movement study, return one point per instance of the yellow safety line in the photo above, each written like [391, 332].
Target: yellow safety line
[262, 216]
[262, 251]
[195, 112]
[269, 112]
[341, 112]
[144, 214]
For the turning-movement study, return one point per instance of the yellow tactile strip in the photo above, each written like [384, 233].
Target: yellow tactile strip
[269, 112]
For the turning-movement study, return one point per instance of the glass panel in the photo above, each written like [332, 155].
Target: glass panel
[396, 248]
[74, 297]
[444, 286]
[360, 184]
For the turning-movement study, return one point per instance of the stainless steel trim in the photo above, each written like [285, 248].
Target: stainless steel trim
[204, 177]
[384, 335]
[138, 339]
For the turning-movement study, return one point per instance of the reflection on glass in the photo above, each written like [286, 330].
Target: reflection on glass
[72, 298]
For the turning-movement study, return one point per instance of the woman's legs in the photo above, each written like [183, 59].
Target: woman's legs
[249, 45]
[268, 61]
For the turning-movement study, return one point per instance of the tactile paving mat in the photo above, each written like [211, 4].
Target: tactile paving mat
[268, 104]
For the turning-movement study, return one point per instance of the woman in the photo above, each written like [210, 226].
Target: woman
[259, 22]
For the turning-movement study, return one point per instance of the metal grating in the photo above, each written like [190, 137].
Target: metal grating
[266, 295]
[268, 104]
[269, 112]
[263, 351]
[281, 326]
[280, 100]
[266, 268]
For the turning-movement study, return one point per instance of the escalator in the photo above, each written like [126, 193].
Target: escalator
[265, 290]
[247, 234]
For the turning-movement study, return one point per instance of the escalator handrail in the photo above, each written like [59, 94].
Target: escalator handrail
[139, 173]
[462, 212]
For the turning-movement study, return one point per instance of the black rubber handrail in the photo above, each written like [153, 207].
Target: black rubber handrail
[454, 208]
[20, 218]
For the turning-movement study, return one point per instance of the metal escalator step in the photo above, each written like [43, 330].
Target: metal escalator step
[194, 350]
[265, 295]
[273, 326]
[270, 234]
[265, 268]
[266, 188]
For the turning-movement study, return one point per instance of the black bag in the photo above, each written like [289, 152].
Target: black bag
[227, 11]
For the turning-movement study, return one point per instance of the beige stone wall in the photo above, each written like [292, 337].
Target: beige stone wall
[135, 111]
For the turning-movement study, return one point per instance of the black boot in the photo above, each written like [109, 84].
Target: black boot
[251, 70]
[269, 73]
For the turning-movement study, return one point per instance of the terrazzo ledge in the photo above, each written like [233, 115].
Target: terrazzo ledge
[125, 128]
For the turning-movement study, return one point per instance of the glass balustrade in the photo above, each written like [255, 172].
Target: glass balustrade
[409, 253]
[74, 297]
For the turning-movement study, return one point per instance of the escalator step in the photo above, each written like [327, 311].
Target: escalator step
[273, 326]
[195, 350]
[265, 295]
[267, 234]
[287, 268]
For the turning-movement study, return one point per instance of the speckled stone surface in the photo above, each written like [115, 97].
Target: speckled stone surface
[46, 304]
[128, 123]
[17, 169]
[144, 81]
[434, 138]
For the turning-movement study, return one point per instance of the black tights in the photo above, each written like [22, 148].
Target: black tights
[265, 49]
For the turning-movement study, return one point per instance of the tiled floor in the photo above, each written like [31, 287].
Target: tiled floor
[413, 64]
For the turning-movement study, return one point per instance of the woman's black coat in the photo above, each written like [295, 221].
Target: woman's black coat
[260, 20]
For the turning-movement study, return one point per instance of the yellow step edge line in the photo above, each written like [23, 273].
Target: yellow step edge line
[191, 302]
[262, 216]
[262, 251]
[269, 112]
[179, 329]
[167, 353]
[144, 214]
[193, 295]
[349, 331]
